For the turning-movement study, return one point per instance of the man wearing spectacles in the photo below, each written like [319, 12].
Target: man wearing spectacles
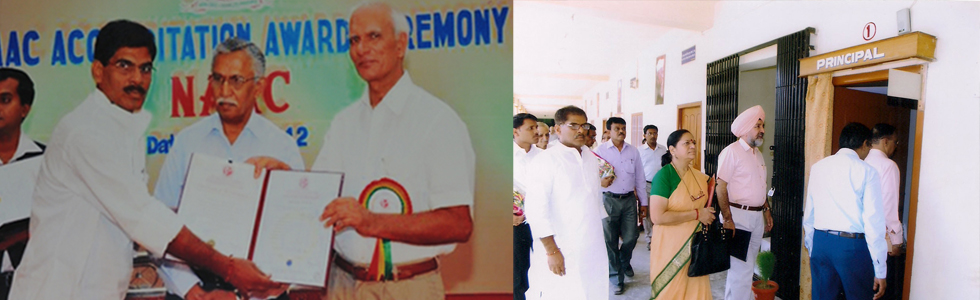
[235, 132]
[565, 212]
[742, 196]
[620, 200]
[884, 141]
[376, 142]
[91, 201]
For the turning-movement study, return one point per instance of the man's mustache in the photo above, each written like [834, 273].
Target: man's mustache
[135, 88]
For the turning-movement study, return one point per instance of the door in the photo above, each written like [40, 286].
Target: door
[870, 109]
[689, 117]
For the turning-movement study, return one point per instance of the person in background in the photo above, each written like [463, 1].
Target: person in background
[650, 153]
[525, 134]
[544, 135]
[590, 138]
[884, 141]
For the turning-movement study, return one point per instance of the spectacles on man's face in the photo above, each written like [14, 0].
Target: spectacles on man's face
[236, 81]
[127, 67]
[574, 126]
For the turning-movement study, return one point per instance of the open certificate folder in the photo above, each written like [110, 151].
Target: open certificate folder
[271, 220]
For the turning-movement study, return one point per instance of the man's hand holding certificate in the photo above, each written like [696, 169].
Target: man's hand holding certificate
[270, 218]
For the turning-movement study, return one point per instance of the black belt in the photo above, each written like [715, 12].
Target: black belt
[618, 196]
[649, 181]
[746, 207]
[845, 234]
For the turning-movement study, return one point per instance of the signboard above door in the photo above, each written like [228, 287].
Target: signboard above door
[916, 44]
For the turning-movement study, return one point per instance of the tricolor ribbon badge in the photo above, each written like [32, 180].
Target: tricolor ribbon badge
[384, 195]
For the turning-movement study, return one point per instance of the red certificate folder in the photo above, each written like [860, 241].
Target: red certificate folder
[271, 220]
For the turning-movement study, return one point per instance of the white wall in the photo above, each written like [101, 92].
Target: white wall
[946, 263]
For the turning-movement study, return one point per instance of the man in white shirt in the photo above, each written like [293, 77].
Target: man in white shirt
[844, 221]
[525, 134]
[565, 211]
[742, 196]
[91, 201]
[544, 136]
[235, 132]
[16, 98]
[420, 196]
[883, 144]
[650, 153]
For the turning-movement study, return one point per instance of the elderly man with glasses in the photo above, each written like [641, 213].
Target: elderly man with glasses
[235, 132]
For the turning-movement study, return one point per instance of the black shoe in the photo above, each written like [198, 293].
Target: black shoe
[629, 271]
[648, 246]
[620, 289]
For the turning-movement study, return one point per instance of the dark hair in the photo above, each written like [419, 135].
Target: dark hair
[561, 115]
[122, 34]
[591, 127]
[672, 140]
[25, 86]
[648, 127]
[880, 131]
[854, 135]
[614, 120]
[519, 119]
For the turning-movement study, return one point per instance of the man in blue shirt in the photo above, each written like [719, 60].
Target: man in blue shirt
[235, 133]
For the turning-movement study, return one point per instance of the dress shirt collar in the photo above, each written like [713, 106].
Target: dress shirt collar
[396, 98]
[848, 152]
[609, 144]
[215, 122]
[133, 123]
[745, 146]
[877, 153]
[645, 146]
[518, 149]
[24, 146]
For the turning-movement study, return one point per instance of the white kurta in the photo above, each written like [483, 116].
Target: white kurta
[563, 201]
[90, 204]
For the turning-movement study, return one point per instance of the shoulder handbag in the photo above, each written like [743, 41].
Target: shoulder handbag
[709, 247]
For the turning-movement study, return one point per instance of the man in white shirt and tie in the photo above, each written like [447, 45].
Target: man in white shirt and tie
[844, 221]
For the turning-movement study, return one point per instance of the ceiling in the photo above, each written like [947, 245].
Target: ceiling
[564, 48]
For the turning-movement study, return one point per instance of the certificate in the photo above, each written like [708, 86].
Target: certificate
[272, 220]
[291, 243]
[17, 182]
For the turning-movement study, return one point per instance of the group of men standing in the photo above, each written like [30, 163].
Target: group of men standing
[566, 199]
[92, 203]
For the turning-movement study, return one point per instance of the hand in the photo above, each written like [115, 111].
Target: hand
[197, 293]
[245, 276]
[729, 225]
[265, 162]
[706, 215]
[643, 212]
[518, 220]
[894, 249]
[607, 181]
[769, 222]
[347, 212]
[879, 287]
[556, 262]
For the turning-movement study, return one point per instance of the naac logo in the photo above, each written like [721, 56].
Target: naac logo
[204, 6]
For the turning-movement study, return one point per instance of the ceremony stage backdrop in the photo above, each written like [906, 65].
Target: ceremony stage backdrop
[459, 50]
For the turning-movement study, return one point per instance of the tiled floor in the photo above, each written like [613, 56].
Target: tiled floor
[638, 286]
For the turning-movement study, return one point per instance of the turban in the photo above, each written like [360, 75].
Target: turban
[747, 119]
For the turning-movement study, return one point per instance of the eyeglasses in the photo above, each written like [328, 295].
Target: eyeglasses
[127, 67]
[574, 126]
[235, 81]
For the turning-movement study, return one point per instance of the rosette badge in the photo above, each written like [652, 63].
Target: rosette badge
[385, 196]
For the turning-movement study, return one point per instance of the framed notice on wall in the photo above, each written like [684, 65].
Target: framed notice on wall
[661, 64]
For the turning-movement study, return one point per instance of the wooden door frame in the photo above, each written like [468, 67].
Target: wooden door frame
[879, 73]
[700, 138]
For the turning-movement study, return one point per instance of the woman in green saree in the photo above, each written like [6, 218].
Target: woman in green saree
[677, 199]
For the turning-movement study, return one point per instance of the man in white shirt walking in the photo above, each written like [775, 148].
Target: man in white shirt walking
[525, 134]
[650, 153]
[565, 211]
[91, 201]
[844, 221]
[234, 132]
